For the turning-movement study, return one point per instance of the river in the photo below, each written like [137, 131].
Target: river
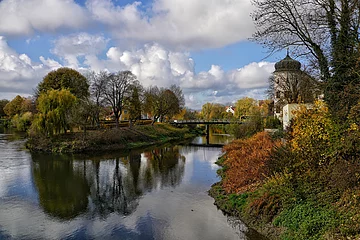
[154, 193]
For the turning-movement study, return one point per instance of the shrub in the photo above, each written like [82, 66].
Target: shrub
[22, 122]
[306, 221]
[313, 134]
[248, 128]
[272, 122]
[245, 161]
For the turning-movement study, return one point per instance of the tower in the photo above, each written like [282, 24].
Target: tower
[287, 77]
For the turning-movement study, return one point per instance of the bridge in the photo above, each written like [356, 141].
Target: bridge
[205, 122]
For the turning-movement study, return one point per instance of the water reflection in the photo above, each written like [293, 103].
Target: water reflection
[62, 189]
[69, 187]
[156, 193]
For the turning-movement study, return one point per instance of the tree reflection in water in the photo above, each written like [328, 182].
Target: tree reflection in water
[62, 189]
[104, 184]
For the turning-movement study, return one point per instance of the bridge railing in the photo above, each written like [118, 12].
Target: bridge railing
[199, 121]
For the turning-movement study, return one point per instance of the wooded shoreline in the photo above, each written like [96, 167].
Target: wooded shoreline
[109, 140]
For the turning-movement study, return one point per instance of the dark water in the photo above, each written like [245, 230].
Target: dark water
[157, 193]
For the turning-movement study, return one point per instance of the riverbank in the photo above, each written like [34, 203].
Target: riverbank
[241, 179]
[109, 140]
[284, 192]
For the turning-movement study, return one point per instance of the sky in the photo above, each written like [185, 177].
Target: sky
[201, 45]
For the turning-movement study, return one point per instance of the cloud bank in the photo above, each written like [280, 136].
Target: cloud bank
[154, 40]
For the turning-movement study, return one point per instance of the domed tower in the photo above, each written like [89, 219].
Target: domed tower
[287, 71]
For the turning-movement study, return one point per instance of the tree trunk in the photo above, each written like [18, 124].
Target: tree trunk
[117, 122]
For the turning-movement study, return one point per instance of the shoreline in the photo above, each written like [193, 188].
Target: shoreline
[109, 140]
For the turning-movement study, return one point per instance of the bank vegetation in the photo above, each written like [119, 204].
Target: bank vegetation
[305, 186]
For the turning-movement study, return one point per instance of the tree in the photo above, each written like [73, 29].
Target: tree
[3, 103]
[81, 114]
[65, 78]
[134, 104]
[186, 114]
[14, 107]
[162, 103]
[218, 111]
[326, 32]
[117, 90]
[206, 111]
[97, 85]
[245, 107]
[54, 107]
[292, 87]
[28, 105]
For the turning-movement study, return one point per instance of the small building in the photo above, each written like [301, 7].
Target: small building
[230, 109]
[289, 112]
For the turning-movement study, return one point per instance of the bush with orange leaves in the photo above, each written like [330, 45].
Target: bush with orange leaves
[245, 162]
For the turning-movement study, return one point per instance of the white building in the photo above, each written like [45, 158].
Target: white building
[292, 86]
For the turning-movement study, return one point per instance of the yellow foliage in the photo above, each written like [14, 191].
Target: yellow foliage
[312, 130]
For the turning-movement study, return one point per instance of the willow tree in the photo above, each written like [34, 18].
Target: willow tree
[323, 31]
[54, 107]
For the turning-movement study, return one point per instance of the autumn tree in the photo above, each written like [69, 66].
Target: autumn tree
[65, 78]
[15, 106]
[206, 111]
[326, 33]
[245, 106]
[54, 107]
[3, 103]
[117, 90]
[186, 114]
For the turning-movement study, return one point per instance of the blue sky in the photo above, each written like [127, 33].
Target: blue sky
[200, 45]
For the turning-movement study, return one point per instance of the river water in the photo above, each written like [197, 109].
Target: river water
[154, 193]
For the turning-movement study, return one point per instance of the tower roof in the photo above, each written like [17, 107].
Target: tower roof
[287, 64]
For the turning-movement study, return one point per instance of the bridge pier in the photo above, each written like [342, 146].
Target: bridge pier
[207, 134]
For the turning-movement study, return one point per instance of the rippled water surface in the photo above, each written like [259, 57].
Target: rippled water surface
[155, 193]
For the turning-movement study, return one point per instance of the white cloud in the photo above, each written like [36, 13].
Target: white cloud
[181, 24]
[19, 17]
[153, 64]
[76, 45]
[18, 73]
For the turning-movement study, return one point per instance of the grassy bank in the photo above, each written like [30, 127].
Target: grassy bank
[307, 187]
[108, 140]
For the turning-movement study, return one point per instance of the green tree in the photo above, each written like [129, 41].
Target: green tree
[162, 103]
[65, 78]
[3, 103]
[134, 105]
[206, 111]
[14, 107]
[245, 106]
[54, 107]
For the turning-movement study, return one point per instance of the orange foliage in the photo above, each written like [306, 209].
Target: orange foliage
[245, 162]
